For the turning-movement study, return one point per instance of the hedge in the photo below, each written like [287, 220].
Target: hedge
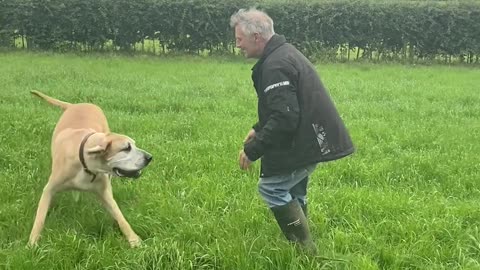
[350, 29]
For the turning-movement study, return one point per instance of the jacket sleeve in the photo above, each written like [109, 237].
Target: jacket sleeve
[284, 113]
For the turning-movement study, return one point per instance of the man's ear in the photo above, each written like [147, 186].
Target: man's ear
[256, 36]
[100, 148]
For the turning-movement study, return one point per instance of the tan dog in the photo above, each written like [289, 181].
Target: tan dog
[85, 154]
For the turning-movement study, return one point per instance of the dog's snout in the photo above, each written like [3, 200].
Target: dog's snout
[148, 158]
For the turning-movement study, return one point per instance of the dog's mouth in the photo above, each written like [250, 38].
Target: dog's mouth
[129, 174]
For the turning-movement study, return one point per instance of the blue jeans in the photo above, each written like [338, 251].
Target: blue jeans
[279, 190]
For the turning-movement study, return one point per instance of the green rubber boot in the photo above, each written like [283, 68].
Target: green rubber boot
[293, 223]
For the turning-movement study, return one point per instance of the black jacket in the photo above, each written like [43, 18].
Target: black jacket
[298, 122]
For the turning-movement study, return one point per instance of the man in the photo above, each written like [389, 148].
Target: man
[298, 125]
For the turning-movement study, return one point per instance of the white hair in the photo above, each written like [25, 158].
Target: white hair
[253, 21]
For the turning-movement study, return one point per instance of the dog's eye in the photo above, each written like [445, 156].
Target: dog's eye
[128, 148]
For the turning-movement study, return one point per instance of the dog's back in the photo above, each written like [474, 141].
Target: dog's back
[77, 116]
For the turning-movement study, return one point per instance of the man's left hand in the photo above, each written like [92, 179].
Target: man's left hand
[243, 160]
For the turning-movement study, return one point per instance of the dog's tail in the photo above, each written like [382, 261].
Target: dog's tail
[55, 102]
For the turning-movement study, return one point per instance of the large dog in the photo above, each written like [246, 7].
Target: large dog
[85, 154]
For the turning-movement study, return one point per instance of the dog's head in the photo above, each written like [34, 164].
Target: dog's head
[117, 155]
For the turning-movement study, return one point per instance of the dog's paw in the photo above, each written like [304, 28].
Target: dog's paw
[32, 244]
[135, 242]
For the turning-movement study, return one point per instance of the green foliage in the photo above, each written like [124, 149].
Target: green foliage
[369, 29]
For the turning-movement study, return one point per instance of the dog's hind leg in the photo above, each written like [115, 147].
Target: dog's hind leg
[43, 206]
[105, 195]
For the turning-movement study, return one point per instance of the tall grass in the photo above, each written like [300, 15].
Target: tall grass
[407, 199]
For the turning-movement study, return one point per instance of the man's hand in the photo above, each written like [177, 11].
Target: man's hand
[250, 136]
[243, 160]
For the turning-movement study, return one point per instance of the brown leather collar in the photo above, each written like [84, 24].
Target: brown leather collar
[82, 157]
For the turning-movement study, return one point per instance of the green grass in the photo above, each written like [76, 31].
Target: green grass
[407, 199]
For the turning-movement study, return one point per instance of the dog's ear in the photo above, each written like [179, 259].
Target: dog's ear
[99, 149]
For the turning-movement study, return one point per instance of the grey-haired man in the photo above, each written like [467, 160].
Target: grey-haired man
[298, 124]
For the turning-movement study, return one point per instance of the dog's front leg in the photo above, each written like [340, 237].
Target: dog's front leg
[42, 210]
[106, 197]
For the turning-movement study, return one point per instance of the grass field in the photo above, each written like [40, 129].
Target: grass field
[407, 199]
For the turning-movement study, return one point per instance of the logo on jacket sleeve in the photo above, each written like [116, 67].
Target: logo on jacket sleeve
[275, 85]
[321, 138]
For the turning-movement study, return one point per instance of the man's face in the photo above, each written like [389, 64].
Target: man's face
[249, 44]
